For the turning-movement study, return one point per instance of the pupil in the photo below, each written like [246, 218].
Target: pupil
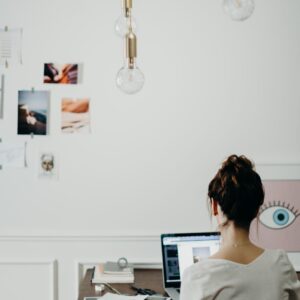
[280, 217]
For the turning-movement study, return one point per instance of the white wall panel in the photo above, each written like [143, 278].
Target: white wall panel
[73, 254]
[28, 280]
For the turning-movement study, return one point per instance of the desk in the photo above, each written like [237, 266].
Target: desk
[145, 278]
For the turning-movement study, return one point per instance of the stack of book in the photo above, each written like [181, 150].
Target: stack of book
[110, 272]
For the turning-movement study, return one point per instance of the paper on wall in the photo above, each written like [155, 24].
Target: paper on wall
[48, 166]
[10, 46]
[13, 155]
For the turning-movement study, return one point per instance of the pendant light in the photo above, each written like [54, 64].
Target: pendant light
[125, 20]
[239, 10]
[130, 79]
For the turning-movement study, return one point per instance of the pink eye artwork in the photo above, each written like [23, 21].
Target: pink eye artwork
[278, 215]
[278, 223]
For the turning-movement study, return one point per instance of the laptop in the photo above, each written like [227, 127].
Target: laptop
[181, 250]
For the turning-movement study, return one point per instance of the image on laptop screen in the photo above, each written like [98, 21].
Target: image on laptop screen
[180, 251]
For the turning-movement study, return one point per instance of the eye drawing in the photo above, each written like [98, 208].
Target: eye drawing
[277, 215]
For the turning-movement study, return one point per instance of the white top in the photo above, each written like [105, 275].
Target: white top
[269, 277]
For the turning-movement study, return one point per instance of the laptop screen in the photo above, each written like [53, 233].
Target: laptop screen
[181, 250]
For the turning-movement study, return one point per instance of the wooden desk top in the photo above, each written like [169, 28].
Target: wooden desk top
[144, 278]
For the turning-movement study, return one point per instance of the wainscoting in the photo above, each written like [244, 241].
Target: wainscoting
[51, 267]
[28, 279]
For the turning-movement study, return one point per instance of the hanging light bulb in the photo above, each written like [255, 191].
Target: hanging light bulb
[238, 10]
[130, 79]
[125, 20]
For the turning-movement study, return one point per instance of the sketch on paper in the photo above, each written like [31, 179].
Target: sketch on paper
[75, 115]
[33, 110]
[10, 46]
[48, 166]
[61, 73]
[13, 155]
[278, 222]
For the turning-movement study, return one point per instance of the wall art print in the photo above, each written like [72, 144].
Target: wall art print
[12, 155]
[10, 46]
[33, 112]
[60, 73]
[75, 115]
[48, 166]
[278, 223]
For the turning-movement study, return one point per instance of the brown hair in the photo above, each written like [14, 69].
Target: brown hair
[238, 190]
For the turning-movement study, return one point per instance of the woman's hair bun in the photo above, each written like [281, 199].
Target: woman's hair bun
[238, 190]
[237, 163]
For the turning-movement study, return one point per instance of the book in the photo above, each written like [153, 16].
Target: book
[111, 267]
[101, 277]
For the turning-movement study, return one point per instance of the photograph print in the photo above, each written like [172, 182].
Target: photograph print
[75, 115]
[61, 73]
[33, 112]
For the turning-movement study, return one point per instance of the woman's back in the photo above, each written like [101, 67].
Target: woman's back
[268, 277]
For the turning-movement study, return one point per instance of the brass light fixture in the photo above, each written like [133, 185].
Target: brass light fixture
[125, 20]
[130, 79]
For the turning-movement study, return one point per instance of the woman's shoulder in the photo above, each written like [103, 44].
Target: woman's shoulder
[282, 259]
[208, 268]
[211, 267]
[277, 256]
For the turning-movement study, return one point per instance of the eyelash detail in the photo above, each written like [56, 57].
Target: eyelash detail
[283, 204]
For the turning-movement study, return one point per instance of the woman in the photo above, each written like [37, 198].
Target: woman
[240, 269]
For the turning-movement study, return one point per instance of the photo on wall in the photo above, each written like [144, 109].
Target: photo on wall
[278, 222]
[75, 115]
[61, 73]
[33, 112]
[48, 166]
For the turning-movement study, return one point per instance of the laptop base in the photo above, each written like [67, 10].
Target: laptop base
[173, 293]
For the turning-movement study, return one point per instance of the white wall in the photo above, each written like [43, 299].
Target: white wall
[213, 87]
